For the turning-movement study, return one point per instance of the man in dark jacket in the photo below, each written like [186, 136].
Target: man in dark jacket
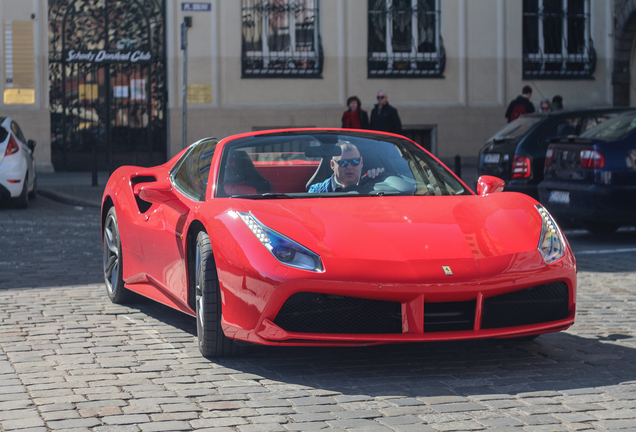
[384, 117]
[521, 105]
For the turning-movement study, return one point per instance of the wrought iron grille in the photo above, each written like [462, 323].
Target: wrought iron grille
[404, 39]
[109, 112]
[556, 39]
[281, 38]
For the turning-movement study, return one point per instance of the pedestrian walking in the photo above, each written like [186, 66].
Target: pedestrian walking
[384, 117]
[521, 105]
[355, 117]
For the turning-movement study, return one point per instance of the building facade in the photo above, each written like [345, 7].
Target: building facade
[105, 80]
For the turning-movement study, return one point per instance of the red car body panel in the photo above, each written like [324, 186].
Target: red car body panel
[381, 248]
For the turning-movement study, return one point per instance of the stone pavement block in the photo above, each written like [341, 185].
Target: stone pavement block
[31, 421]
[165, 426]
[264, 427]
[314, 417]
[125, 419]
[60, 415]
[457, 426]
[301, 427]
[217, 422]
[457, 407]
[73, 423]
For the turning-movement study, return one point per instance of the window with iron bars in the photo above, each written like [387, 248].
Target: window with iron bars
[556, 39]
[405, 39]
[281, 38]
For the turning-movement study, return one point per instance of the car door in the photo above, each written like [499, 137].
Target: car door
[162, 235]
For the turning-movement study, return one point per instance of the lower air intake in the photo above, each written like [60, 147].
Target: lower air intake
[534, 305]
[323, 313]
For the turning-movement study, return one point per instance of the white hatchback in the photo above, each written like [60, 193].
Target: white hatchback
[17, 167]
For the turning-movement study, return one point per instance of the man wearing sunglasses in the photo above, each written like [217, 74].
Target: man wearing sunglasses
[347, 170]
[384, 117]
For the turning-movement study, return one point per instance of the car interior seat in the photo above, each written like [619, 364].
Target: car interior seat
[241, 176]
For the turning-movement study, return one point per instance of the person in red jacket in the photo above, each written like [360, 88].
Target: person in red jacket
[355, 117]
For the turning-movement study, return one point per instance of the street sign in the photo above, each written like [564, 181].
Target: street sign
[196, 7]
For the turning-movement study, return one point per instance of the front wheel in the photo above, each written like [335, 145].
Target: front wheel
[22, 201]
[212, 340]
[113, 265]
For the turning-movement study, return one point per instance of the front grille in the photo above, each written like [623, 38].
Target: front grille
[323, 313]
[449, 316]
[534, 305]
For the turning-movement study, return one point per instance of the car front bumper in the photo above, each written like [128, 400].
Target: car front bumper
[321, 312]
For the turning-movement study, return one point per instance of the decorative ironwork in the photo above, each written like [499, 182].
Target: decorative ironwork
[281, 38]
[404, 39]
[107, 83]
[557, 41]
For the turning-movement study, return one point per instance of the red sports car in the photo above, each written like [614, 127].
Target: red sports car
[333, 237]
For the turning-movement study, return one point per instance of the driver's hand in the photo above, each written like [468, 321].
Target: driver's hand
[374, 172]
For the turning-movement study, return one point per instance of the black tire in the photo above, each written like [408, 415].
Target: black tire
[113, 264]
[33, 193]
[22, 201]
[208, 307]
[601, 228]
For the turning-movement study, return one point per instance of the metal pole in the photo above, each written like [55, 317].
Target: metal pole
[187, 23]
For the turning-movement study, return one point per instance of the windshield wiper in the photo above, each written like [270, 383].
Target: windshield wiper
[268, 195]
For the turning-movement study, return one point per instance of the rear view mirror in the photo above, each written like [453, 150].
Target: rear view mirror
[489, 184]
[323, 151]
[155, 192]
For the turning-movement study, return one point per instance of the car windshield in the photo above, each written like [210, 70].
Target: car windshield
[613, 129]
[309, 164]
[516, 129]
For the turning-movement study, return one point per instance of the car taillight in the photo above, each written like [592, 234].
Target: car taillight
[592, 159]
[548, 157]
[12, 147]
[520, 167]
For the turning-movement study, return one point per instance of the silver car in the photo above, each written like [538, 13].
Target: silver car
[17, 167]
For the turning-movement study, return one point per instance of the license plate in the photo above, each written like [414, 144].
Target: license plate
[492, 158]
[561, 197]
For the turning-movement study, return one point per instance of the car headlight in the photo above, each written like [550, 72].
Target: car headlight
[283, 248]
[551, 241]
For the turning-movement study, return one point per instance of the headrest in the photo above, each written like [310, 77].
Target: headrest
[237, 167]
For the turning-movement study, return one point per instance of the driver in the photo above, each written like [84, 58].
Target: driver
[347, 170]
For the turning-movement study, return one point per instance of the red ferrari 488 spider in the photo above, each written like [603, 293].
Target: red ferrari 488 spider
[333, 237]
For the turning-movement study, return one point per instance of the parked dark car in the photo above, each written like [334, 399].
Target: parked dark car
[516, 153]
[592, 179]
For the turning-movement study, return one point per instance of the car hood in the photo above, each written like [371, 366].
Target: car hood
[415, 232]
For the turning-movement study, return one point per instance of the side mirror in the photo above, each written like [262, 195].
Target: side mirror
[489, 184]
[155, 192]
[31, 144]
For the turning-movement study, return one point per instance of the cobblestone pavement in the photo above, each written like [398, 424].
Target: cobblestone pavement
[72, 361]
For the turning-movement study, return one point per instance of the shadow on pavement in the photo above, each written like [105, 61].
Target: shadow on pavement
[559, 362]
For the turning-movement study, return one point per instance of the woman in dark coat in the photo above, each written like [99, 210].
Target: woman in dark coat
[355, 117]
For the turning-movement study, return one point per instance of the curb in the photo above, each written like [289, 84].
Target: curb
[67, 199]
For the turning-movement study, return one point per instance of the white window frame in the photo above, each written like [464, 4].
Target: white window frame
[390, 56]
[566, 57]
[291, 52]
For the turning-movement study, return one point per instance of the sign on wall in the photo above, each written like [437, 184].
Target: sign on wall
[19, 63]
[196, 7]
[103, 56]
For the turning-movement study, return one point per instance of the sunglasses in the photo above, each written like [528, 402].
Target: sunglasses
[381, 97]
[343, 163]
